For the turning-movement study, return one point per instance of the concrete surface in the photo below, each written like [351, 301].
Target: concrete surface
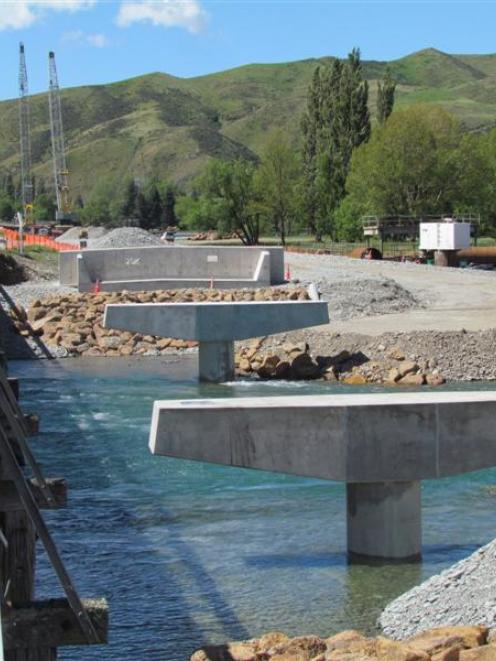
[215, 325]
[216, 362]
[161, 267]
[215, 322]
[384, 520]
[359, 439]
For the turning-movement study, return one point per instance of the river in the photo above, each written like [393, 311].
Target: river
[189, 553]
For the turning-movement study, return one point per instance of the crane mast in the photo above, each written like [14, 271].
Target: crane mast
[26, 177]
[61, 174]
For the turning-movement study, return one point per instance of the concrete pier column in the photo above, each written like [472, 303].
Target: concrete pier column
[216, 361]
[384, 521]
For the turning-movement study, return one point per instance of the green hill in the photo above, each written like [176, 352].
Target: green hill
[161, 125]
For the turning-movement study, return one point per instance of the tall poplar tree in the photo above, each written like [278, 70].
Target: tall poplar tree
[336, 122]
[311, 125]
[385, 97]
[169, 213]
[155, 208]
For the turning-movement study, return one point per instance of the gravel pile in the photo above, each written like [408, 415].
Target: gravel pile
[364, 297]
[72, 235]
[463, 594]
[27, 292]
[126, 237]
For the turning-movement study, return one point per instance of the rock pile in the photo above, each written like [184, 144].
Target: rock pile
[294, 361]
[462, 643]
[73, 322]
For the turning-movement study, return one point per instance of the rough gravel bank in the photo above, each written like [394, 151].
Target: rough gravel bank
[463, 594]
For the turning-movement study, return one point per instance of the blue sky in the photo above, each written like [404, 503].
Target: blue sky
[99, 41]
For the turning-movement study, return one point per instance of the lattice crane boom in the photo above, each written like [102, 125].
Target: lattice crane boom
[61, 174]
[25, 144]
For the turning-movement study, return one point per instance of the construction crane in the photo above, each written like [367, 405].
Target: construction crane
[26, 177]
[61, 174]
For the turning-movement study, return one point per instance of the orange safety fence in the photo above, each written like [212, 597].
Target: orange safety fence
[12, 240]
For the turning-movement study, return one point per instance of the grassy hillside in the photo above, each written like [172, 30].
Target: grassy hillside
[161, 125]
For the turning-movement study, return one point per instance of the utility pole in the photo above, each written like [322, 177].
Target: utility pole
[26, 176]
[60, 171]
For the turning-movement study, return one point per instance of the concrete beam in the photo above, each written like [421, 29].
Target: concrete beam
[215, 322]
[387, 437]
[216, 325]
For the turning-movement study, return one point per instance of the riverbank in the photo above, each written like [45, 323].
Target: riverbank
[461, 643]
[441, 320]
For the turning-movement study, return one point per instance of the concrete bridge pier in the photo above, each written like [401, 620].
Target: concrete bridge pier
[216, 361]
[216, 326]
[384, 521]
[382, 445]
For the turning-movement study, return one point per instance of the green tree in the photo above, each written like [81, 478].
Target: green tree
[385, 97]
[10, 186]
[475, 177]
[230, 188]
[45, 207]
[7, 209]
[141, 212]
[277, 183]
[103, 205]
[155, 208]
[201, 212]
[169, 213]
[311, 125]
[410, 166]
[128, 209]
[79, 202]
[336, 122]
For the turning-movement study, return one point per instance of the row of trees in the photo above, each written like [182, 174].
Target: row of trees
[114, 203]
[421, 162]
[10, 198]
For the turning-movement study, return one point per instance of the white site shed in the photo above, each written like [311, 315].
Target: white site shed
[446, 235]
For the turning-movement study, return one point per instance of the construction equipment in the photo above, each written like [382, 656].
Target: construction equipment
[26, 177]
[60, 171]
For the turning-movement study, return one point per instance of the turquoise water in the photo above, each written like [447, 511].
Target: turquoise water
[189, 553]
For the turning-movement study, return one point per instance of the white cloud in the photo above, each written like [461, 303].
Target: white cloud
[17, 14]
[97, 40]
[188, 14]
